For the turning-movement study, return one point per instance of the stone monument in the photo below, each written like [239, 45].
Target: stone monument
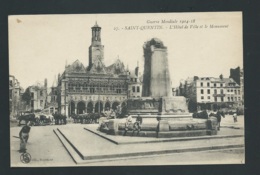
[157, 94]
[163, 115]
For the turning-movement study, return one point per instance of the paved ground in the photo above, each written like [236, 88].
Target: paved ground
[47, 150]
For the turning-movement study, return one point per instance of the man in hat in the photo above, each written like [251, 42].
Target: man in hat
[235, 117]
[127, 123]
[24, 136]
[137, 124]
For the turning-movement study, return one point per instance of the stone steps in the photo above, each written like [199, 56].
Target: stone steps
[117, 152]
[71, 150]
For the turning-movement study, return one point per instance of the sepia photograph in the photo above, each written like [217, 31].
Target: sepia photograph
[130, 89]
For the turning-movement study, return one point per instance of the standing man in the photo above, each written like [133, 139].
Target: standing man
[137, 124]
[24, 136]
[127, 123]
[219, 115]
[235, 117]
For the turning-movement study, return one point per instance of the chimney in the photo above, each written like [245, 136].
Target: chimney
[45, 82]
[137, 69]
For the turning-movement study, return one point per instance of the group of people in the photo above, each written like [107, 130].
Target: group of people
[205, 114]
[137, 125]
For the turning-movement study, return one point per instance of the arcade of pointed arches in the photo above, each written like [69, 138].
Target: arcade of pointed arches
[97, 87]
[80, 107]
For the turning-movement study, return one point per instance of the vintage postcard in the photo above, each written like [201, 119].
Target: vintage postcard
[126, 89]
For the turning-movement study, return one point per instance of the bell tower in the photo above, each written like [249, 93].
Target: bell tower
[96, 50]
[96, 39]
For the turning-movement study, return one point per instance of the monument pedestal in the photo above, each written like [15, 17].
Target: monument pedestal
[165, 107]
[164, 128]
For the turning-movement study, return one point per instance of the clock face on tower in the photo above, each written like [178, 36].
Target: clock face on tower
[97, 54]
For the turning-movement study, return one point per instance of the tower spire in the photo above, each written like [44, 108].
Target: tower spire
[96, 49]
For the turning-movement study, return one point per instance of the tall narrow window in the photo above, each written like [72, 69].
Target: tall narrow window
[201, 84]
[201, 91]
[138, 89]
[208, 91]
[133, 88]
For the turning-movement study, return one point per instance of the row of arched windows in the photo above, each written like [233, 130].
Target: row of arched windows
[91, 88]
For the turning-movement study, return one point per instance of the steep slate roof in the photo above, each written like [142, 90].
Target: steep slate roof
[97, 67]
[230, 80]
[116, 68]
[75, 67]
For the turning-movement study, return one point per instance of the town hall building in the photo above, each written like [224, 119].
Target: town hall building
[95, 87]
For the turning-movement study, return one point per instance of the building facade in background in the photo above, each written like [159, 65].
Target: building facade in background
[135, 84]
[52, 100]
[38, 95]
[15, 93]
[92, 88]
[211, 93]
[238, 75]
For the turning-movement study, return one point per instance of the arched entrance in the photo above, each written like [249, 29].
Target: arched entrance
[124, 108]
[99, 107]
[114, 105]
[81, 107]
[90, 107]
[107, 106]
[71, 108]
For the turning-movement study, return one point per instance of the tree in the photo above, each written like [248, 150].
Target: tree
[27, 96]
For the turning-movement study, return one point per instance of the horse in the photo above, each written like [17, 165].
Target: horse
[76, 118]
[94, 117]
[82, 118]
[59, 119]
[27, 117]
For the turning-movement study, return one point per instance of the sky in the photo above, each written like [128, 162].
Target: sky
[41, 45]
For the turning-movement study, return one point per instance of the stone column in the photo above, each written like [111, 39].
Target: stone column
[63, 96]
[67, 110]
[76, 105]
[103, 103]
[86, 107]
[94, 105]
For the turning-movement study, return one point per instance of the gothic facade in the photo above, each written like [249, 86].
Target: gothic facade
[92, 88]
